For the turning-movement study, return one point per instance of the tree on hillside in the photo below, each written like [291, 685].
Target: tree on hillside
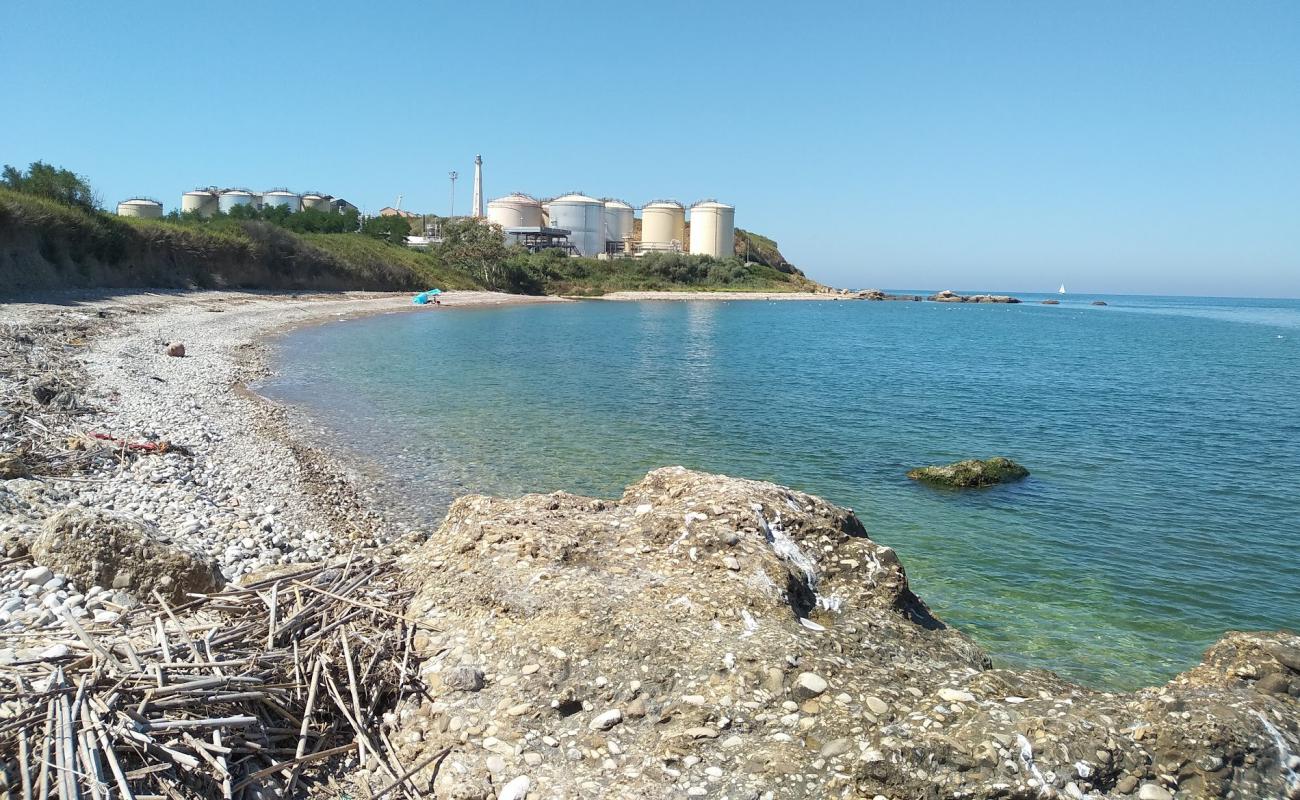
[53, 182]
[480, 249]
[393, 229]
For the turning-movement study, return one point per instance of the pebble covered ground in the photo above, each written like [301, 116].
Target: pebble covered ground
[240, 488]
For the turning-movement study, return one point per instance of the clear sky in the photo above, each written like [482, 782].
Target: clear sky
[1112, 146]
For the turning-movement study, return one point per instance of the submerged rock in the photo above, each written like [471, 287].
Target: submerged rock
[1099, 302]
[657, 670]
[971, 473]
[100, 549]
[1051, 302]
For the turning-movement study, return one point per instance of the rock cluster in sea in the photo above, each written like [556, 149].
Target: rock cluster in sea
[949, 296]
[706, 636]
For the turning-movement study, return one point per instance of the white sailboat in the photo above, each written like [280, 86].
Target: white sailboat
[1061, 290]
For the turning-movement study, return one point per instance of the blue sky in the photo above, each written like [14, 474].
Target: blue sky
[1112, 146]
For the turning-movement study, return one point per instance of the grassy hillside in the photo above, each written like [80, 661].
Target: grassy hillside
[749, 246]
[662, 272]
[47, 245]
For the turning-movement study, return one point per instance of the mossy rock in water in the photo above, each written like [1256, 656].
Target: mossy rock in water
[971, 473]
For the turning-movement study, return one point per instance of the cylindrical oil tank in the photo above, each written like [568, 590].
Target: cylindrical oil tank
[663, 222]
[584, 218]
[317, 202]
[618, 222]
[141, 207]
[234, 197]
[515, 211]
[713, 229]
[282, 198]
[200, 201]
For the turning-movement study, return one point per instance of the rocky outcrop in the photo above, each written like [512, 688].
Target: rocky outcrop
[709, 636]
[1051, 302]
[118, 552]
[1099, 302]
[878, 295]
[949, 296]
[971, 473]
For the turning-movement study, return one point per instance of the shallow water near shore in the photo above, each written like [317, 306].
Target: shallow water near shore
[1163, 435]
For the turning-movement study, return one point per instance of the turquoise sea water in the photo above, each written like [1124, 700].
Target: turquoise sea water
[1163, 435]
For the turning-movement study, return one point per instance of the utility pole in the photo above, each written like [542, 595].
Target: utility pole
[453, 175]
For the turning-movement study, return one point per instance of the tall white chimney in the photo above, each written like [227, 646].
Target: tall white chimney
[478, 186]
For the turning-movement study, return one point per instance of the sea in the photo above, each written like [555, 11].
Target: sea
[1162, 435]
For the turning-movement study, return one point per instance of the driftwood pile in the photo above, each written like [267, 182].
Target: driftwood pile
[253, 692]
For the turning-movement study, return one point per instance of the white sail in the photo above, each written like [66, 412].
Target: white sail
[1061, 290]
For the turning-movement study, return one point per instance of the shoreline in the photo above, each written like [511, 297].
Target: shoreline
[256, 493]
[710, 660]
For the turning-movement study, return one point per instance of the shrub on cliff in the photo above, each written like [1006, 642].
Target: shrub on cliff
[55, 183]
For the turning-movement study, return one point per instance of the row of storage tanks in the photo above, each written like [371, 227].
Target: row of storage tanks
[593, 223]
[206, 202]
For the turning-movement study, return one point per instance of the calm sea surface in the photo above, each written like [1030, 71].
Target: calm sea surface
[1163, 435]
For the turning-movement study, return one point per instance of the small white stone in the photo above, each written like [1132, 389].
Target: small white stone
[516, 789]
[606, 720]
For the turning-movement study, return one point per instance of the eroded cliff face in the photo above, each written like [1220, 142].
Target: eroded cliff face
[709, 636]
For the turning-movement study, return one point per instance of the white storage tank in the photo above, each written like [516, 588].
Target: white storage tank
[618, 222]
[282, 198]
[234, 197]
[200, 201]
[317, 202]
[584, 218]
[141, 207]
[515, 211]
[713, 229]
[663, 225]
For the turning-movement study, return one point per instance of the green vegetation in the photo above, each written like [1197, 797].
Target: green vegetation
[390, 229]
[762, 250]
[44, 180]
[51, 245]
[309, 220]
[53, 237]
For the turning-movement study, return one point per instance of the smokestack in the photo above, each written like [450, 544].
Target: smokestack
[478, 186]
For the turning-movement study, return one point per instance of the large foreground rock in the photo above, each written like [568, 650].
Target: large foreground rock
[714, 637]
[971, 473]
[99, 549]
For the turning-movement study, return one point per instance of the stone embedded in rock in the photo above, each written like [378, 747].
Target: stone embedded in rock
[516, 789]
[971, 473]
[606, 720]
[1273, 683]
[808, 686]
[1153, 791]
[955, 696]
[98, 548]
[176, 350]
[463, 679]
[11, 466]
[37, 576]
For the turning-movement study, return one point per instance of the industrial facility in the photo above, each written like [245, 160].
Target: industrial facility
[595, 228]
[207, 201]
[574, 223]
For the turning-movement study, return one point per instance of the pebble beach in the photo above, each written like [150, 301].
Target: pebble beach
[232, 482]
